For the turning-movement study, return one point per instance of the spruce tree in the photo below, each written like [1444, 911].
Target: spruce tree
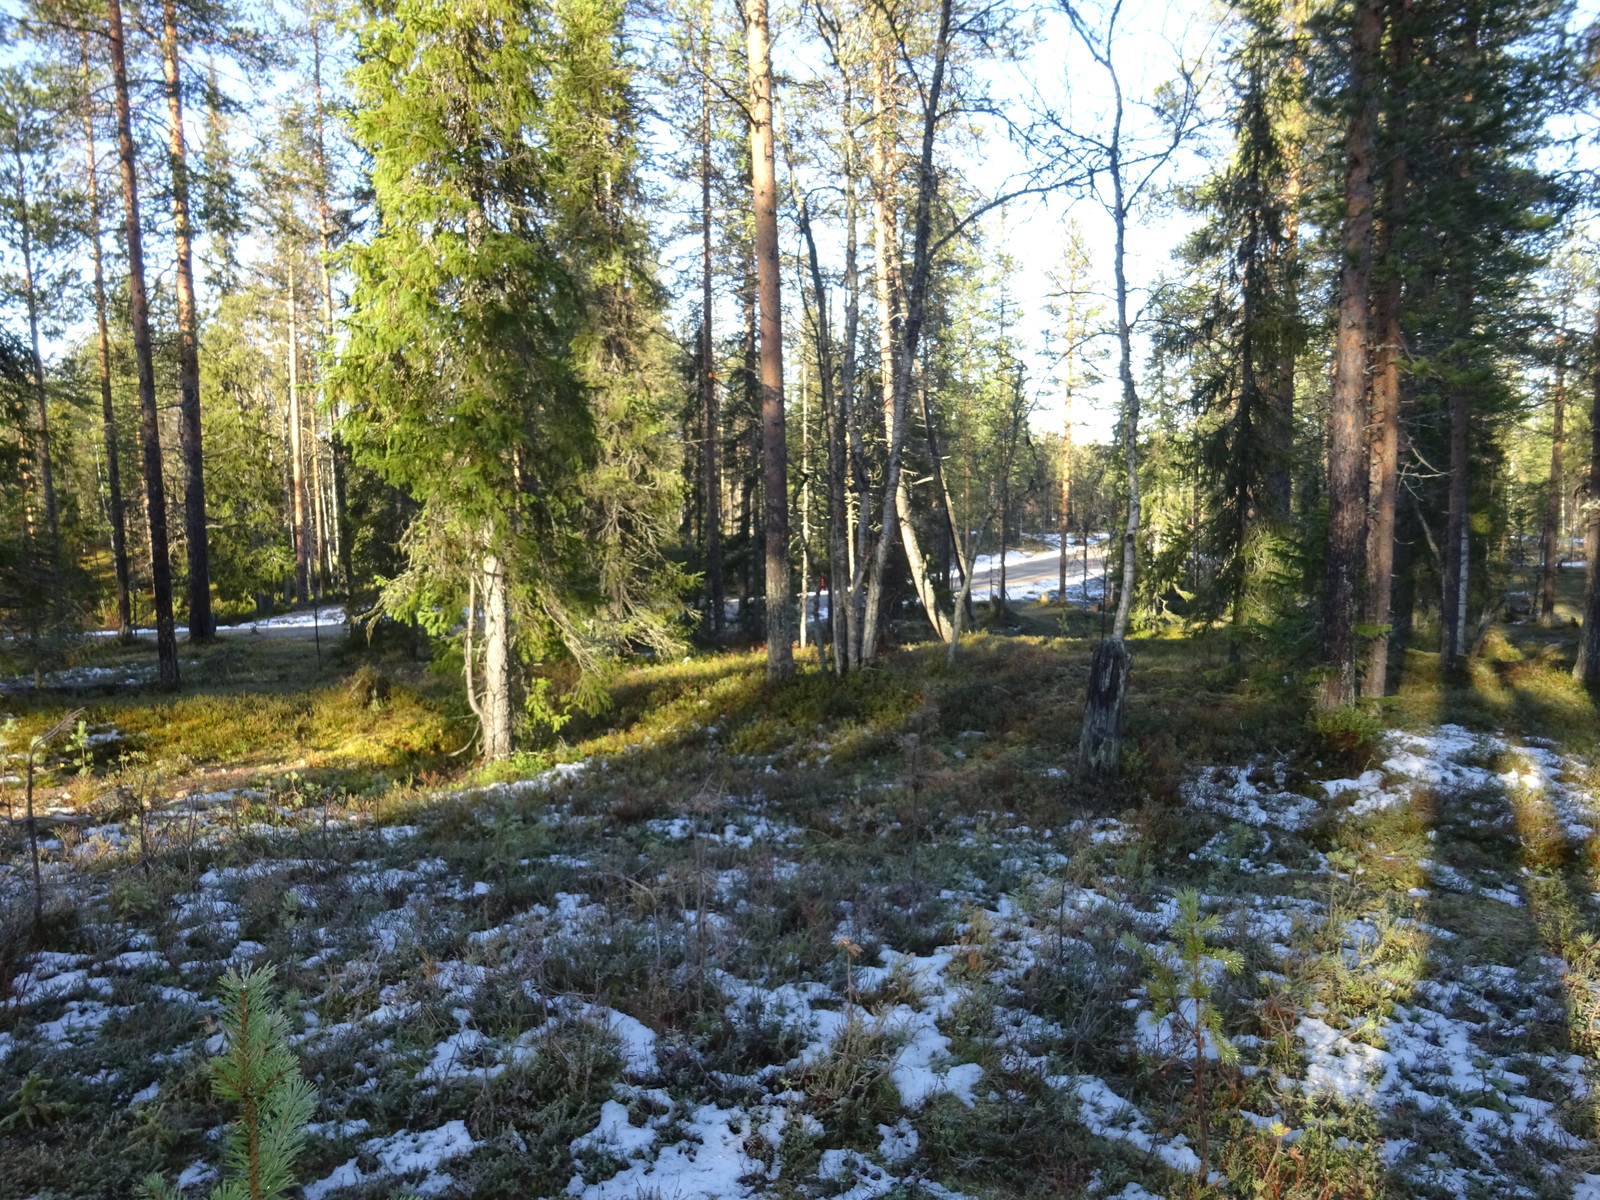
[1237, 320]
[500, 363]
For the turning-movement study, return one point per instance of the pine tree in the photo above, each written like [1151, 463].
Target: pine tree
[774, 444]
[139, 310]
[1347, 492]
[114, 505]
[202, 625]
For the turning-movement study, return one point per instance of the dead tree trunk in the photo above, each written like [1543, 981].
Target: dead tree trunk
[1100, 739]
[202, 625]
[1347, 491]
[155, 495]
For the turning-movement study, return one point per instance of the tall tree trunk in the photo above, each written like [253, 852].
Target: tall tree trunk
[1454, 643]
[202, 624]
[886, 253]
[336, 446]
[1347, 499]
[906, 320]
[1587, 669]
[319, 506]
[496, 699]
[1280, 481]
[1383, 477]
[1100, 737]
[41, 447]
[1130, 419]
[108, 417]
[139, 309]
[297, 468]
[834, 433]
[1066, 485]
[860, 543]
[774, 448]
[1550, 539]
[999, 598]
[710, 425]
[948, 541]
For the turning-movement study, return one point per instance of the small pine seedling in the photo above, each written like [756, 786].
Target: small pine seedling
[259, 1072]
[1183, 990]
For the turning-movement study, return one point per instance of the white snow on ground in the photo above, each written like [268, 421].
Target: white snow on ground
[400, 1155]
[1435, 1052]
[709, 1162]
[1231, 792]
[326, 615]
[1108, 1115]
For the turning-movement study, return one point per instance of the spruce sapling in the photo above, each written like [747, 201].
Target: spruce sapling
[259, 1072]
[1183, 991]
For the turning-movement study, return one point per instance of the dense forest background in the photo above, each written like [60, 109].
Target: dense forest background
[553, 333]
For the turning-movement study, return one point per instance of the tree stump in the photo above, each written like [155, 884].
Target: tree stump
[1100, 744]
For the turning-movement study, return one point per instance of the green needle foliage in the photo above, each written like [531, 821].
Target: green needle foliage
[258, 1072]
[1184, 988]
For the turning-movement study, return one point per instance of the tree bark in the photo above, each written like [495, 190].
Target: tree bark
[861, 541]
[299, 514]
[1384, 464]
[1458, 531]
[1130, 409]
[886, 254]
[202, 625]
[1280, 483]
[1347, 491]
[774, 448]
[906, 322]
[139, 309]
[496, 700]
[1587, 669]
[108, 417]
[833, 431]
[41, 449]
[710, 425]
[1100, 740]
[1550, 539]
[1452, 647]
[1066, 484]
[336, 447]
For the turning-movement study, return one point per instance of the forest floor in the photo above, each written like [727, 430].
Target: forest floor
[875, 938]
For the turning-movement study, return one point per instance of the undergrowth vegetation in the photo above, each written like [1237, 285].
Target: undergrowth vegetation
[867, 937]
